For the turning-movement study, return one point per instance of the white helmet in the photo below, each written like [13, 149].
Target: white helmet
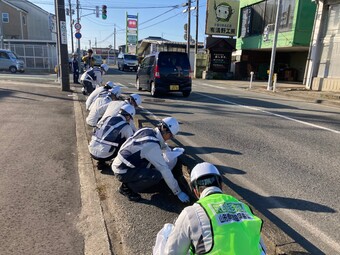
[136, 98]
[128, 109]
[116, 90]
[172, 124]
[109, 84]
[105, 67]
[204, 169]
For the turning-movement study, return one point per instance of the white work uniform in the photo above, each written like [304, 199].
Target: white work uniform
[102, 150]
[113, 109]
[99, 78]
[97, 81]
[93, 96]
[150, 151]
[192, 227]
[97, 110]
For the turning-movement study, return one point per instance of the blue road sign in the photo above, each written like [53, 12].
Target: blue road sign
[77, 35]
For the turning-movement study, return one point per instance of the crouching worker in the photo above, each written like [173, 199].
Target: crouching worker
[113, 107]
[101, 91]
[138, 153]
[216, 224]
[98, 107]
[107, 139]
[93, 78]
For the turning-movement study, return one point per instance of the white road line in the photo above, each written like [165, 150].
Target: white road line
[271, 113]
[246, 183]
[118, 83]
[294, 216]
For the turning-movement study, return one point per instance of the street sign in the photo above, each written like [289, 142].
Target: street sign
[77, 35]
[77, 26]
[63, 32]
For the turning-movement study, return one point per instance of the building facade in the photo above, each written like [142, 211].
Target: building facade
[30, 32]
[256, 33]
[322, 69]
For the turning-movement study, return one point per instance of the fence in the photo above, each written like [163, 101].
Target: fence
[36, 55]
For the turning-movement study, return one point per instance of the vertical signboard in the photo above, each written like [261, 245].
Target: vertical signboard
[222, 17]
[63, 32]
[131, 33]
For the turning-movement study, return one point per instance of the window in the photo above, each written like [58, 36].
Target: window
[4, 55]
[261, 16]
[24, 20]
[5, 17]
[287, 15]
[257, 18]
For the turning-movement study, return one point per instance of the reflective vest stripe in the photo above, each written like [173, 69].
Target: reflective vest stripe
[112, 128]
[104, 141]
[125, 161]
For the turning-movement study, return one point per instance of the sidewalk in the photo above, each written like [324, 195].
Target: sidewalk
[296, 90]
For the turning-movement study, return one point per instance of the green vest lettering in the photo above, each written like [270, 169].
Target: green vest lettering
[235, 229]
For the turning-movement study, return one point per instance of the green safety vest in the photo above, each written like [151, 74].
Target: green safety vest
[235, 229]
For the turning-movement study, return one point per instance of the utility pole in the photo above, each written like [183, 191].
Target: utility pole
[78, 46]
[188, 29]
[272, 60]
[114, 43]
[196, 38]
[62, 45]
[71, 25]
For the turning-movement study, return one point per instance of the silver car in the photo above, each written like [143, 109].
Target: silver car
[9, 61]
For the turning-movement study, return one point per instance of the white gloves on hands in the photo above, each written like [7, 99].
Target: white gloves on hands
[183, 197]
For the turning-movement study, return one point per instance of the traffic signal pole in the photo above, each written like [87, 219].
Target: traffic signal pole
[78, 42]
[71, 24]
[188, 29]
[196, 38]
[62, 45]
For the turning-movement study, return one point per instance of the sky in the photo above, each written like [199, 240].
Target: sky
[156, 18]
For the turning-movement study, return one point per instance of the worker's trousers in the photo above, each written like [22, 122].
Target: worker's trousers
[140, 179]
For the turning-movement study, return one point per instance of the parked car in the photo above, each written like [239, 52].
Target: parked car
[164, 72]
[98, 60]
[127, 62]
[11, 62]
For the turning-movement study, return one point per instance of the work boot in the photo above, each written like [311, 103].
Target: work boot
[101, 165]
[126, 191]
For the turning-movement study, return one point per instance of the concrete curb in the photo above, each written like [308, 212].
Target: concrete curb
[91, 219]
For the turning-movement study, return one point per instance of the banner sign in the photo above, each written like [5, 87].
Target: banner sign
[132, 39]
[131, 33]
[222, 17]
[132, 23]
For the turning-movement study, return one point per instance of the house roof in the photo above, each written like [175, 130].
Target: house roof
[14, 6]
[27, 3]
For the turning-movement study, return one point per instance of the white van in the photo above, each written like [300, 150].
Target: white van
[127, 62]
[10, 62]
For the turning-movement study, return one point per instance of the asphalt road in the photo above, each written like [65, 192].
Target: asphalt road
[280, 154]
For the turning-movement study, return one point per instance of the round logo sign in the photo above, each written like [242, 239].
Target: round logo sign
[77, 35]
[77, 26]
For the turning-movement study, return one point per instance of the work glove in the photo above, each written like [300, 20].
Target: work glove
[183, 197]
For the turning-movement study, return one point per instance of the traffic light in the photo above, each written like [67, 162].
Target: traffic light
[185, 31]
[104, 11]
